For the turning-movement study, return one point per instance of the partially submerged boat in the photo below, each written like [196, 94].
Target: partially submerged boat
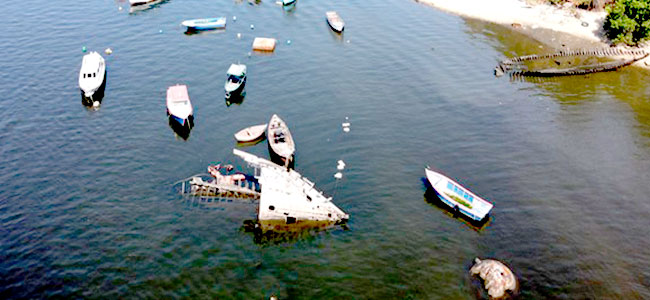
[235, 80]
[335, 21]
[92, 76]
[250, 134]
[205, 24]
[289, 198]
[280, 140]
[179, 107]
[457, 197]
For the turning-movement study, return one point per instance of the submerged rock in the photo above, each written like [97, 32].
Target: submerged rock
[497, 277]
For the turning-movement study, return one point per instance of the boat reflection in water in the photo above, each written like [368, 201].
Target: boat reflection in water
[236, 98]
[432, 198]
[280, 231]
[180, 130]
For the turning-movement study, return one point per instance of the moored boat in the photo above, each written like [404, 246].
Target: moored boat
[143, 2]
[179, 106]
[457, 197]
[288, 2]
[92, 75]
[250, 134]
[280, 140]
[335, 21]
[236, 79]
[205, 24]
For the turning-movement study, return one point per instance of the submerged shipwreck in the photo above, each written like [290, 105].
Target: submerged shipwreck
[287, 200]
[569, 62]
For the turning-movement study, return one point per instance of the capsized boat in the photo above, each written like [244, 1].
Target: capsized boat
[459, 198]
[280, 140]
[335, 21]
[289, 197]
[92, 74]
[236, 79]
[205, 24]
[250, 134]
[179, 106]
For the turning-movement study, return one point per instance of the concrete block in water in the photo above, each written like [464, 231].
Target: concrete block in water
[497, 277]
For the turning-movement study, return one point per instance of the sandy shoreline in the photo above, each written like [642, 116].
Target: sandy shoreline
[536, 20]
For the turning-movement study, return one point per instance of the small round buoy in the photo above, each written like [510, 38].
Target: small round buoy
[83, 49]
[119, 8]
[108, 51]
[249, 54]
[288, 42]
[348, 41]
[338, 175]
[234, 18]
[252, 27]
[239, 35]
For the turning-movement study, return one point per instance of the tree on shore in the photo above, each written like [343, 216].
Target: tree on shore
[628, 21]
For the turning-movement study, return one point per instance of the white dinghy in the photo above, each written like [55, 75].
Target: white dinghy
[235, 80]
[280, 139]
[335, 21]
[458, 197]
[179, 106]
[250, 134]
[92, 74]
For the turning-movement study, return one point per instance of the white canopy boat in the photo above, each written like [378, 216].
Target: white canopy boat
[179, 106]
[280, 139]
[205, 24]
[236, 79]
[335, 21]
[92, 74]
[459, 198]
[250, 134]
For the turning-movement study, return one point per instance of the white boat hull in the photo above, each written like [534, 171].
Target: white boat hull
[250, 134]
[457, 197]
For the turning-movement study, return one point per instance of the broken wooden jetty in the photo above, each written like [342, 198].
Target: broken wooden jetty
[516, 66]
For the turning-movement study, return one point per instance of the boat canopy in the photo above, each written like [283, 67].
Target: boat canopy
[237, 70]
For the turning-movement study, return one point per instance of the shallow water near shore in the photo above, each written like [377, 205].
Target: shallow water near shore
[87, 208]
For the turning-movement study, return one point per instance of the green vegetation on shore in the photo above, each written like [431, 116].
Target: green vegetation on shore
[628, 21]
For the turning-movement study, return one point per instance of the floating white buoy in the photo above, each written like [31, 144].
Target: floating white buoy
[119, 8]
[160, 31]
[108, 51]
[348, 41]
[252, 27]
[338, 175]
[346, 118]
[239, 35]
[249, 54]
[234, 18]
[346, 129]
[341, 165]
[288, 42]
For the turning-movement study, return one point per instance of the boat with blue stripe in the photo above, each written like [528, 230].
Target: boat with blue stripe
[457, 197]
[205, 24]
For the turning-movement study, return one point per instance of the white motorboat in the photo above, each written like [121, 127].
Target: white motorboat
[205, 24]
[459, 198]
[179, 106]
[250, 134]
[335, 21]
[280, 140]
[92, 75]
[236, 79]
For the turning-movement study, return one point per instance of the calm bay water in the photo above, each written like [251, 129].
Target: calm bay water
[87, 208]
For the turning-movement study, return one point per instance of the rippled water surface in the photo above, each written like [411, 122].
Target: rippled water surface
[86, 203]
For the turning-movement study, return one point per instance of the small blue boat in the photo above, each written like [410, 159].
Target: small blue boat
[205, 24]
